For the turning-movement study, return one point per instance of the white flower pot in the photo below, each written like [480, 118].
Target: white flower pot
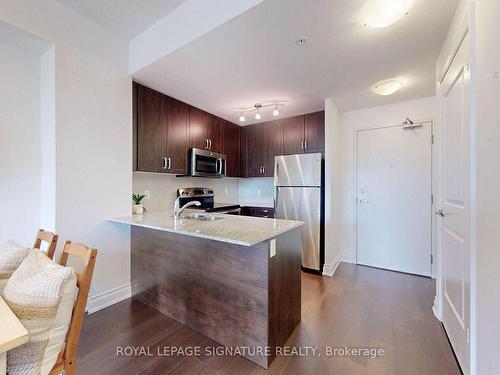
[138, 209]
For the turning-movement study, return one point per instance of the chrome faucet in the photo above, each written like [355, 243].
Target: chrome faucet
[178, 209]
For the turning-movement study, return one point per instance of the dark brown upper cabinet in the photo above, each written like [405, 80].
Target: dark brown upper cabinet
[198, 128]
[214, 133]
[231, 147]
[293, 135]
[255, 150]
[151, 130]
[162, 132]
[177, 119]
[274, 145]
[205, 130]
[304, 134]
[314, 132]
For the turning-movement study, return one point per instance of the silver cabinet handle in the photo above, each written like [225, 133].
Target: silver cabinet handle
[169, 164]
[165, 162]
[206, 144]
[305, 145]
[441, 212]
[210, 144]
[263, 170]
[302, 145]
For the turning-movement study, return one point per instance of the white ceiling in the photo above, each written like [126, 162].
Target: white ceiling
[254, 57]
[126, 18]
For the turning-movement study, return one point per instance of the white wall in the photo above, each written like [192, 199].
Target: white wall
[393, 114]
[163, 188]
[487, 133]
[93, 136]
[19, 144]
[332, 187]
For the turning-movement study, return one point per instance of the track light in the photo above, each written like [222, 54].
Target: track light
[258, 116]
[242, 118]
[276, 112]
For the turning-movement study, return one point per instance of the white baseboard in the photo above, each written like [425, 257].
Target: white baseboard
[347, 258]
[108, 298]
[330, 268]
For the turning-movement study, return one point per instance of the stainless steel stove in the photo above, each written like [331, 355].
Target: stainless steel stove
[206, 197]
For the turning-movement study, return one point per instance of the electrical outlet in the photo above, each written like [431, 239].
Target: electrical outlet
[147, 194]
[272, 248]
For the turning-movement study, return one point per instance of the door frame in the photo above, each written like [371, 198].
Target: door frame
[432, 199]
[463, 29]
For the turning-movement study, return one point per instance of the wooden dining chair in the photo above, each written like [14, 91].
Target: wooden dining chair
[49, 238]
[66, 362]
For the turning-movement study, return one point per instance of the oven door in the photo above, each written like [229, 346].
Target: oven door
[207, 164]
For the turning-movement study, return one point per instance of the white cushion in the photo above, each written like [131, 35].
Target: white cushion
[11, 256]
[42, 294]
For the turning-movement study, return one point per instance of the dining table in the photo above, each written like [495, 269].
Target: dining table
[12, 334]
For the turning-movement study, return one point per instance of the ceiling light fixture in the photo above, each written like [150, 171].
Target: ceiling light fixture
[258, 107]
[387, 87]
[383, 13]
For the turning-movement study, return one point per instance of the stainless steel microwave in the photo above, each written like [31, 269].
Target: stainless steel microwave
[203, 163]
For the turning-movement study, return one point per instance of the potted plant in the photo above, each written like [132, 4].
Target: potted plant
[138, 208]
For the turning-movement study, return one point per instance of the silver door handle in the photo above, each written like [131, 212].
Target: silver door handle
[302, 145]
[210, 144]
[165, 162]
[305, 145]
[206, 144]
[263, 170]
[169, 165]
[363, 201]
[441, 212]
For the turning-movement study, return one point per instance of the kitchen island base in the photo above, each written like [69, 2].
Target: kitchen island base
[239, 296]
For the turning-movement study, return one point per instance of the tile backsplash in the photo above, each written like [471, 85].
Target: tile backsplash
[163, 189]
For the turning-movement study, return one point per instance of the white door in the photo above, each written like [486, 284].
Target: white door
[453, 223]
[394, 209]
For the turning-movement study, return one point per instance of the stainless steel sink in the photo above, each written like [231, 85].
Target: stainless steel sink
[195, 216]
[203, 217]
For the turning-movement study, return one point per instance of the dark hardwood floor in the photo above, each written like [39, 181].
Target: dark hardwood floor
[359, 307]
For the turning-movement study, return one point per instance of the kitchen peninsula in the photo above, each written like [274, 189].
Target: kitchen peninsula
[234, 279]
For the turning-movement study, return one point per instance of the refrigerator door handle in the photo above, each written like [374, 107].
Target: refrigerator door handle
[276, 201]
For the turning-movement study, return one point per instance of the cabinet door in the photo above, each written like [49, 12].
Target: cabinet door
[274, 144]
[231, 148]
[293, 135]
[177, 119]
[255, 150]
[197, 128]
[315, 132]
[214, 133]
[151, 130]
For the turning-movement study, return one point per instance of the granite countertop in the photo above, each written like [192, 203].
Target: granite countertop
[239, 230]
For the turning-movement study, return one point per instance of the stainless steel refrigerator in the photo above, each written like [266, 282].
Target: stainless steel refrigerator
[299, 195]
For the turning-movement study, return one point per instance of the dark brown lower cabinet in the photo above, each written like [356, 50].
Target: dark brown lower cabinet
[236, 295]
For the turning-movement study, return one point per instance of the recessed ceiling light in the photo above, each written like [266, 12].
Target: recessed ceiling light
[383, 13]
[387, 87]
